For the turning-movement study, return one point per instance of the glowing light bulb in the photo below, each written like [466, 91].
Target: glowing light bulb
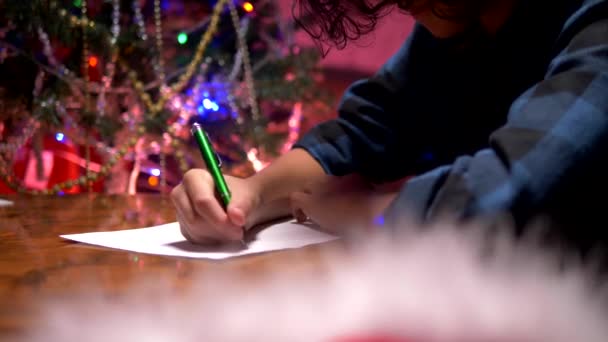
[248, 7]
[208, 104]
[182, 38]
[153, 180]
[93, 61]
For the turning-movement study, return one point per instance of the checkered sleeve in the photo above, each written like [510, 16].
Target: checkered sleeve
[371, 128]
[555, 136]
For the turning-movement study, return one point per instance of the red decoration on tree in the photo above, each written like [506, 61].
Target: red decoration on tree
[61, 162]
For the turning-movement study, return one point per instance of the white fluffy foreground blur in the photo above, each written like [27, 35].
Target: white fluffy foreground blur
[430, 286]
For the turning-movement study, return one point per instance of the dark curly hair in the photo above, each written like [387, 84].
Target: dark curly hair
[335, 22]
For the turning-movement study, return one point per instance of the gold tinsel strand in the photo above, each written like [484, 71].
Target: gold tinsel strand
[242, 48]
[183, 80]
[160, 67]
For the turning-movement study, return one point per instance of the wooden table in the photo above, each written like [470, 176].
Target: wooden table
[36, 265]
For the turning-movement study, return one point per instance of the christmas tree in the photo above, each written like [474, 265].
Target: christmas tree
[113, 87]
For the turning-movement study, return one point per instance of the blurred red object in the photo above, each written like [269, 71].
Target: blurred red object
[61, 160]
[372, 338]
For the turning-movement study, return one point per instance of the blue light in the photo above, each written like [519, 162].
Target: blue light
[206, 94]
[155, 172]
[200, 109]
[208, 104]
[379, 220]
[59, 136]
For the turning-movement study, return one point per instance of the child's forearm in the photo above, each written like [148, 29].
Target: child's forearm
[289, 173]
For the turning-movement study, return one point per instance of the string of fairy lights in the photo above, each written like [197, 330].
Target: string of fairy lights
[152, 107]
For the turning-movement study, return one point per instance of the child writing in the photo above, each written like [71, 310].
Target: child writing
[493, 106]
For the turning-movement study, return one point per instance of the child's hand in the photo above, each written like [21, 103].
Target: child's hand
[200, 214]
[340, 204]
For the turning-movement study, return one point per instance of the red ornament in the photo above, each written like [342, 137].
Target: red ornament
[61, 161]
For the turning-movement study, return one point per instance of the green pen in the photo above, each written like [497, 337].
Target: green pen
[212, 161]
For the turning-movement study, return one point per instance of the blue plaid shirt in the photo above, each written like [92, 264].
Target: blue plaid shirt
[514, 123]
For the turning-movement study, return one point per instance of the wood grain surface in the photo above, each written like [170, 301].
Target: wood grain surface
[37, 266]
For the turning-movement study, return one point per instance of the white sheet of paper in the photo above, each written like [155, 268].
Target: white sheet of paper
[167, 239]
[5, 203]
